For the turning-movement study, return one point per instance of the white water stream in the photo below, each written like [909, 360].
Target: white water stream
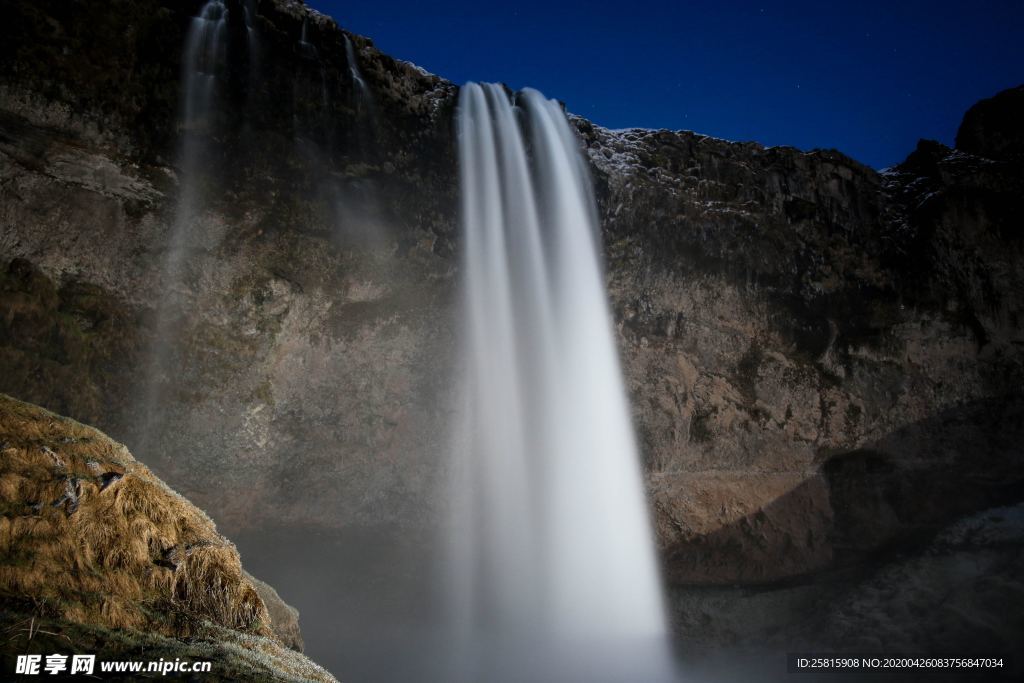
[553, 570]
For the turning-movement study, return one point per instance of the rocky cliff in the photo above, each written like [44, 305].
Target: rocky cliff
[825, 361]
[98, 556]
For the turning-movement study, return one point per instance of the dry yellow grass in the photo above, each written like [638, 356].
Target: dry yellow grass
[93, 535]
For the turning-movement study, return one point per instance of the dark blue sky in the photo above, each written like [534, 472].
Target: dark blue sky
[868, 78]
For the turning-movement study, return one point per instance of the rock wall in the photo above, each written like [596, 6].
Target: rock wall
[312, 332]
[824, 360]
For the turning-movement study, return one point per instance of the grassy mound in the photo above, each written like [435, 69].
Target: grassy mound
[91, 541]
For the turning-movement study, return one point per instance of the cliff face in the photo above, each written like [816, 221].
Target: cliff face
[312, 315]
[97, 551]
[825, 365]
[824, 360]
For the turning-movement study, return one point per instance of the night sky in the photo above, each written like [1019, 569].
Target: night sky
[868, 78]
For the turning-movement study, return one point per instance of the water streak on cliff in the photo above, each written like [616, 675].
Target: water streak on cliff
[204, 67]
[308, 50]
[362, 99]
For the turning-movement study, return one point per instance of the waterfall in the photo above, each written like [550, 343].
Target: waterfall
[249, 14]
[309, 51]
[553, 560]
[353, 65]
[361, 221]
[363, 95]
[204, 58]
[204, 66]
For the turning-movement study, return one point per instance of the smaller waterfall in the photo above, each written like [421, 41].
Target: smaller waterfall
[204, 66]
[306, 47]
[204, 70]
[205, 55]
[249, 14]
[553, 568]
[309, 51]
[303, 32]
[360, 216]
[362, 92]
[353, 65]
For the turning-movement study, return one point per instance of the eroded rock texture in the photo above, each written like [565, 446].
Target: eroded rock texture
[824, 360]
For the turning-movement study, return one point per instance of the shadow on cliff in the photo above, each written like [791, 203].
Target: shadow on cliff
[905, 487]
[889, 495]
[756, 583]
[886, 496]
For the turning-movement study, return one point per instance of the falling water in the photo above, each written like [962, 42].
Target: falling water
[353, 65]
[249, 14]
[203, 67]
[364, 97]
[309, 51]
[204, 58]
[554, 567]
[361, 222]
[306, 48]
